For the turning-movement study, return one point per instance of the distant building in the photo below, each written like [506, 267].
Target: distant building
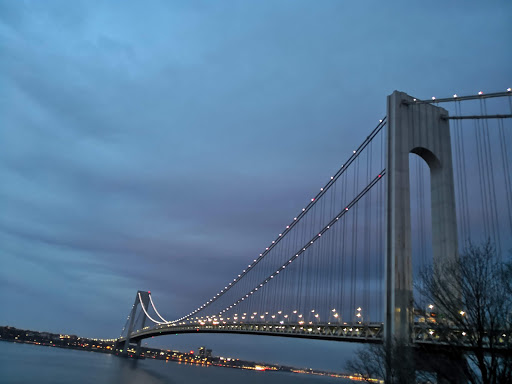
[201, 352]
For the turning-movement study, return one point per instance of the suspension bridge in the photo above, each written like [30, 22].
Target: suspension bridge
[429, 177]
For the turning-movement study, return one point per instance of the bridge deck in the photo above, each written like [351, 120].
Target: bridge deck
[362, 333]
[423, 333]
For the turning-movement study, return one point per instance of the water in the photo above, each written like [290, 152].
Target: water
[23, 363]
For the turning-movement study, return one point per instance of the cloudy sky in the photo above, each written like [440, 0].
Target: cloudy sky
[160, 145]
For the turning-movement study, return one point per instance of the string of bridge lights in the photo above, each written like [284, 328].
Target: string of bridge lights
[303, 249]
[278, 317]
[154, 308]
[311, 242]
[146, 313]
[456, 97]
[296, 219]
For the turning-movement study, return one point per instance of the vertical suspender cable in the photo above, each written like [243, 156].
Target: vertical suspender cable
[333, 277]
[354, 239]
[491, 184]
[367, 238]
[483, 197]
[464, 178]
[458, 176]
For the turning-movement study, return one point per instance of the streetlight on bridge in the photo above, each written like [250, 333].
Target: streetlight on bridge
[359, 315]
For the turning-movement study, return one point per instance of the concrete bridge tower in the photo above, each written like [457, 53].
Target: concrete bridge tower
[423, 129]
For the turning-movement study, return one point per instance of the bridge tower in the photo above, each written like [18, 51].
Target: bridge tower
[422, 129]
[142, 298]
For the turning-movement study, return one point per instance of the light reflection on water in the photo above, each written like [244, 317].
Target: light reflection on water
[22, 363]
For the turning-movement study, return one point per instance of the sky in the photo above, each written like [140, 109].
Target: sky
[160, 145]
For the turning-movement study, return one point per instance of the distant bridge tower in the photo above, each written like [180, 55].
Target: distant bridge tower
[423, 129]
[142, 298]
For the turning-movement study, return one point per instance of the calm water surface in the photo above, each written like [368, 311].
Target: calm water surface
[22, 363]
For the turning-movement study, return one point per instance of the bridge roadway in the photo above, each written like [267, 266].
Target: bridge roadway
[351, 332]
[424, 333]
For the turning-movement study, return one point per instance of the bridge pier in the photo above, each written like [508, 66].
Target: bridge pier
[122, 348]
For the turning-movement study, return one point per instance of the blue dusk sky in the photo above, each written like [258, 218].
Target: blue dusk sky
[160, 145]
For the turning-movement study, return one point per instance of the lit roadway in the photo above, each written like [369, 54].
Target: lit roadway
[424, 333]
[354, 332]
